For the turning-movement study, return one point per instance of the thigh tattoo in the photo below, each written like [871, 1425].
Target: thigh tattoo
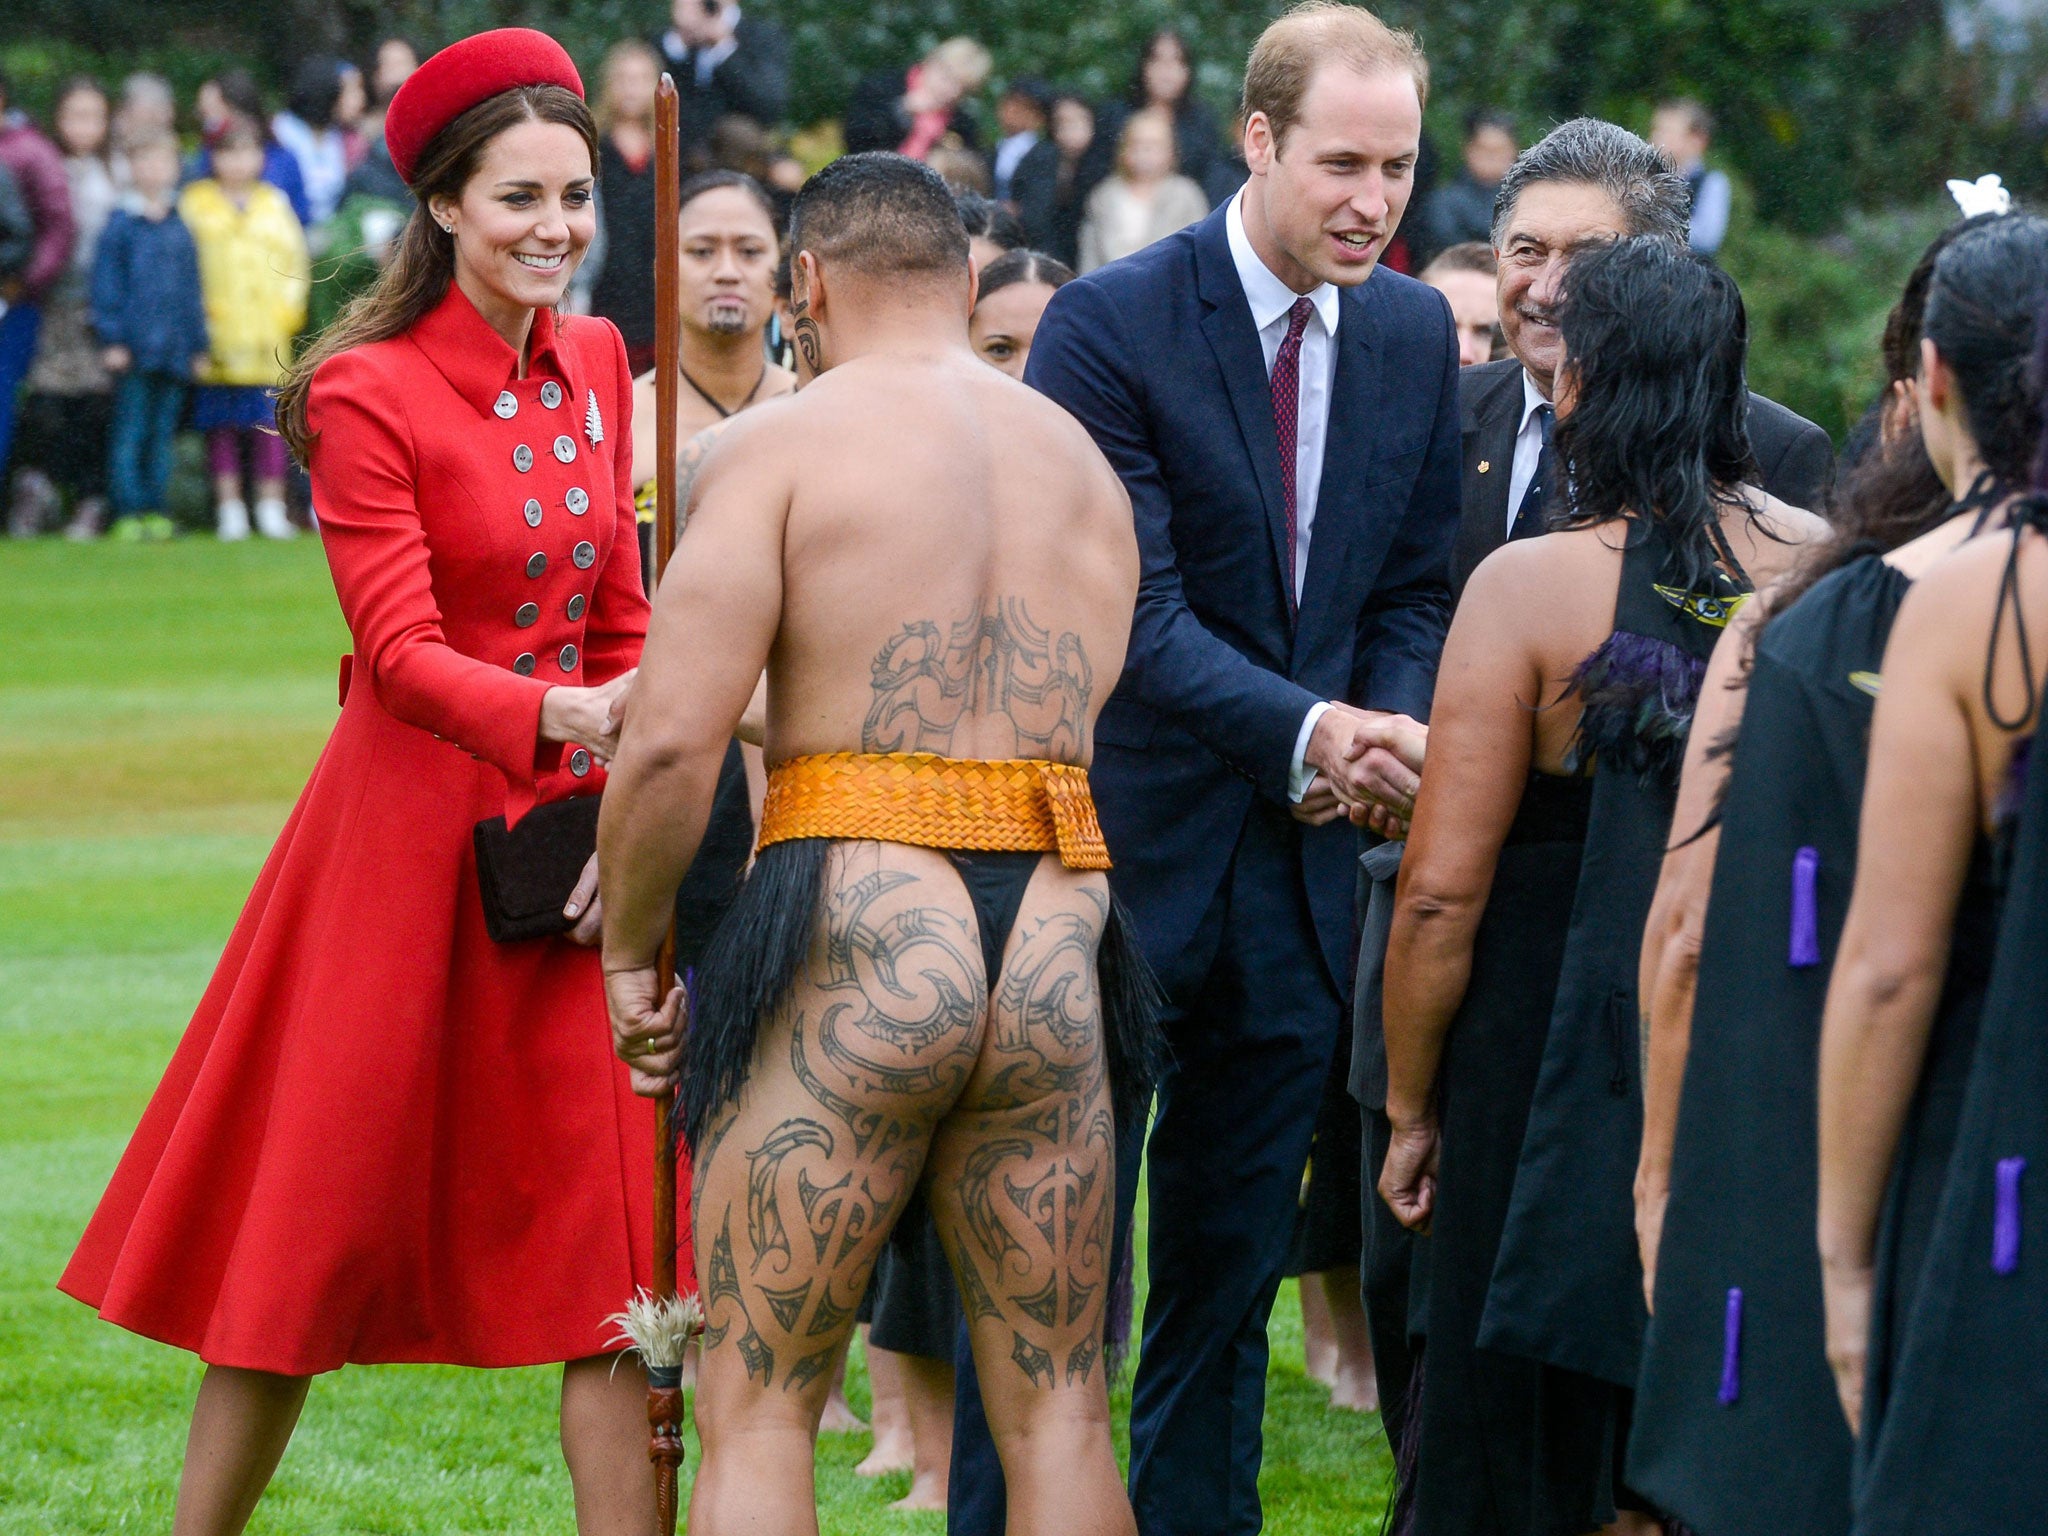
[1033, 1198]
[882, 1037]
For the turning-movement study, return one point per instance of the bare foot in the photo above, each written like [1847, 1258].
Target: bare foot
[839, 1417]
[927, 1492]
[1318, 1332]
[1355, 1391]
[892, 1453]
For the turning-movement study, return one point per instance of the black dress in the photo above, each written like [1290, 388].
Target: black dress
[1957, 1448]
[1737, 1428]
[624, 290]
[1473, 1430]
[1566, 1289]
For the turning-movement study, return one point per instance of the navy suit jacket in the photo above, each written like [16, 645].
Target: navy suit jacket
[1158, 357]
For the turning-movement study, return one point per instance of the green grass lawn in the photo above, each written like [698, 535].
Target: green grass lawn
[160, 707]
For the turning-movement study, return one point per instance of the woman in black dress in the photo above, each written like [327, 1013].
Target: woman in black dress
[1961, 696]
[1561, 708]
[1959, 1454]
[623, 291]
[1735, 1429]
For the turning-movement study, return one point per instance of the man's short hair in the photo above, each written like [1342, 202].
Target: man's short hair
[1479, 119]
[1285, 58]
[1467, 256]
[1034, 90]
[1653, 198]
[1696, 116]
[880, 214]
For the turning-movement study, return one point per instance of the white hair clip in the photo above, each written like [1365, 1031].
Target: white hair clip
[1986, 194]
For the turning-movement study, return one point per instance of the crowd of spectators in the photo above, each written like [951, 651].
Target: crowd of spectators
[114, 337]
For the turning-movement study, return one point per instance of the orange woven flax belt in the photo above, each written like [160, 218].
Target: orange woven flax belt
[929, 801]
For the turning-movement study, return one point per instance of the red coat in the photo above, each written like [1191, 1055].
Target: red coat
[385, 1137]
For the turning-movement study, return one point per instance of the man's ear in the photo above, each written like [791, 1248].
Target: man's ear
[973, 282]
[1260, 149]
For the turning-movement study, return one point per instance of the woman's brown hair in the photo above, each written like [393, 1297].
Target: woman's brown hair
[423, 260]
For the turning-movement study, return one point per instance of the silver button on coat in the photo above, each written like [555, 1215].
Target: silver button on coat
[565, 448]
[522, 458]
[551, 394]
[585, 555]
[568, 658]
[532, 510]
[525, 664]
[527, 616]
[576, 606]
[536, 563]
[506, 405]
[577, 500]
[579, 762]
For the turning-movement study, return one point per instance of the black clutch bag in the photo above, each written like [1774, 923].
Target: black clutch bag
[525, 873]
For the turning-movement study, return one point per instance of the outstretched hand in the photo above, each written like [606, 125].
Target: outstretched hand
[647, 1027]
[1371, 762]
[587, 717]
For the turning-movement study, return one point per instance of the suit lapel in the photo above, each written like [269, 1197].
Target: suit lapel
[1488, 422]
[1354, 392]
[1235, 343]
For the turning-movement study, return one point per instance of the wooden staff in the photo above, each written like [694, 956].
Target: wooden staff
[664, 1379]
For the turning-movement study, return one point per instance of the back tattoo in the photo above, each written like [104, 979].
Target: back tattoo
[994, 662]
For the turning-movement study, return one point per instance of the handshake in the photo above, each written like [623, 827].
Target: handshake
[1368, 766]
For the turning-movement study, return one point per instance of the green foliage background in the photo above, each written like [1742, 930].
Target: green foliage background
[1834, 115]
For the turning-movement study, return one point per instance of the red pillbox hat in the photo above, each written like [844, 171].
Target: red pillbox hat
[465, 73]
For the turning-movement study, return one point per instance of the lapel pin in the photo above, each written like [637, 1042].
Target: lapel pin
[593, 424]
[1485, 465]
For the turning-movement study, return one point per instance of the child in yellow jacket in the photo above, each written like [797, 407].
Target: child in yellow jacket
[254, 273]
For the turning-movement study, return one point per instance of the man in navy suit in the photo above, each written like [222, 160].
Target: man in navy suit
[1285, 417]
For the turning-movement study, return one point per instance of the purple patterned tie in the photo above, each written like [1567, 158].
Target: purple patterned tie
[1286, 384]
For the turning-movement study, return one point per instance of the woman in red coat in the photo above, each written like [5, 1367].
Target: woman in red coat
[385, 1137]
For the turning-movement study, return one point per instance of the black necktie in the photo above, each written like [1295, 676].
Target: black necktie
[1528, 521]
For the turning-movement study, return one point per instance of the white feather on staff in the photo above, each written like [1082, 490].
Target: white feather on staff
[658, 1328]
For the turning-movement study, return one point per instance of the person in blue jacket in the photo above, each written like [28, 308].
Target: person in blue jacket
[148, 316]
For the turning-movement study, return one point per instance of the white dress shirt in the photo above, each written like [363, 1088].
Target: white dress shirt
[1528, 448]
[1270, 300]
[1010, 153]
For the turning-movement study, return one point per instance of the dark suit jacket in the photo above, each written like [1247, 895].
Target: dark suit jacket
[1035, 190]
[1157, 356]
[753, 82]
[1795, 456]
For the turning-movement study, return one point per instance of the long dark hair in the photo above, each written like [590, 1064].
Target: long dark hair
[423, 258]
[1654, 342]
[1022, 266]
[1987, 290]
[1138, 98]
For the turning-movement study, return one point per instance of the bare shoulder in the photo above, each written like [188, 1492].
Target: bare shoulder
[753, 450]
[1967, 582]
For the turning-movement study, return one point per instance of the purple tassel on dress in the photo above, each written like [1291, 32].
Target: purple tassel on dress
[2005, 1220]
[1731, 1349]
[1805, 908]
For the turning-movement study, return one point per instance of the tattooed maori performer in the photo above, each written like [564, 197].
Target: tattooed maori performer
[923, 991]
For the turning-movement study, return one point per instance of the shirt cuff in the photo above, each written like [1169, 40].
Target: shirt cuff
[1299, 774]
